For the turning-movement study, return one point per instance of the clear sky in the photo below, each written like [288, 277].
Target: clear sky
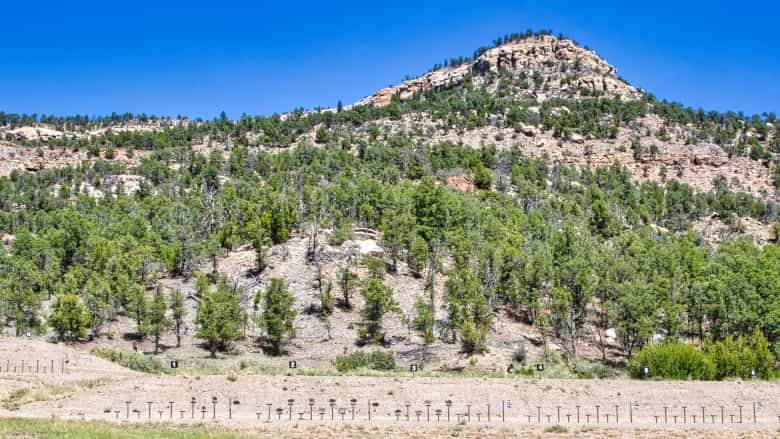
[171, 58]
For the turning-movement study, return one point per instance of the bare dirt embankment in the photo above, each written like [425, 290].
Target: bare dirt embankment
[92, 389]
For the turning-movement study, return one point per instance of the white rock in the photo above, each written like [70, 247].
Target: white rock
[659, 335]
[363, 247]
[35, 133]
[611, 335]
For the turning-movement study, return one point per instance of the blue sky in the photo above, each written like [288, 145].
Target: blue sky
[171, 58]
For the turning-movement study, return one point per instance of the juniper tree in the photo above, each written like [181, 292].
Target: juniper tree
[278, 315]
[69, 318]
[219, 319]
[347, 279]
[156, 322]
[418, 256]
[378, 302]
[178, 313]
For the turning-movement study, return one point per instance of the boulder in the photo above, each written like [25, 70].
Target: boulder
[528, 130]
[659, 335]
[611, 335]
[577, 138]
[363, 247]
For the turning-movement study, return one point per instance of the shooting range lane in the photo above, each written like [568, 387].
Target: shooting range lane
[32, 364]
[285, 401]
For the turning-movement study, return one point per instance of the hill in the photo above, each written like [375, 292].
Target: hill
[523, 204]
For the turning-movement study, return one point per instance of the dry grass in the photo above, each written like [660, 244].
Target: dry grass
[50, 428]
[25, 395]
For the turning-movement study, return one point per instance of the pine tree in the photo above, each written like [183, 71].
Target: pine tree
[219, 318]
[178, 313]
[278, 314]
[347, 280]
[156, 322]
[69, 318]
[418, 256]
[137, 306]
[379, 301]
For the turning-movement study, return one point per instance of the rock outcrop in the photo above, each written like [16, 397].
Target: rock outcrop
[553, 57]
[35, 133]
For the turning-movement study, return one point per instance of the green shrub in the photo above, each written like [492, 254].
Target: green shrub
[322, 135]
[589, 370]
[482, 177]
[673, 361]
[736, 357]
[93, 150]
[520, 354]
[557, 428]
[380, 360]
[472, 341]
[525, 371]
[131, 360]
[345, 363]
[376, 266]
[376, 360]
[727, 358]
[341, 233]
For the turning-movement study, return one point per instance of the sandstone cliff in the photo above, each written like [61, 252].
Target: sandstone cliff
[550, 56]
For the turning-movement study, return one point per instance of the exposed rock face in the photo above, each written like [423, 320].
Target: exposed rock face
[18, 157]
[45, 132]
[548, 55]
[460, 183]
[363, 247]
[35, 133]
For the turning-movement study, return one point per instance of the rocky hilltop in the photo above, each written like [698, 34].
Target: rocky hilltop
[545, 55]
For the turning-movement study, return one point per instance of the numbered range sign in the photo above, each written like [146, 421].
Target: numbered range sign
[412, 368]
[174, 364]
[292, 364]
[540, 367]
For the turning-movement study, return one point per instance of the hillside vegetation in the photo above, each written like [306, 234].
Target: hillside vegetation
[529, 186]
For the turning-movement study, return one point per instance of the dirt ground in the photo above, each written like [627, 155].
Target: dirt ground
[93, 389]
